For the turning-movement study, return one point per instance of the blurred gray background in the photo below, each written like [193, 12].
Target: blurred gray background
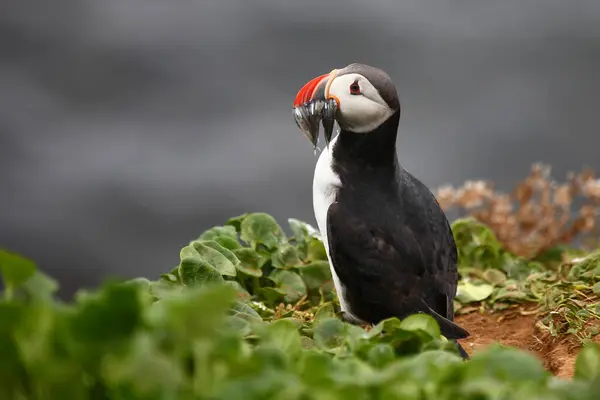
[127, 127]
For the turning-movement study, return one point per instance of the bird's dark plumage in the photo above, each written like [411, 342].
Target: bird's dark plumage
[389, 243]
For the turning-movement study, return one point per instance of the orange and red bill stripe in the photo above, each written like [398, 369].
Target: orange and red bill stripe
[306, 93]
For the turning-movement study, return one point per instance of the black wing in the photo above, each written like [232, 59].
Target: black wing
[390, 272]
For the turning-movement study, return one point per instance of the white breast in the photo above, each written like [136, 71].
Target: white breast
[325, 185]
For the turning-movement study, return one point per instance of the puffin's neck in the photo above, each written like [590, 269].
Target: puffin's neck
[371, 150]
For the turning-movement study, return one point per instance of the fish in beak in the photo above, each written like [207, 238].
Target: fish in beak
[314, 106]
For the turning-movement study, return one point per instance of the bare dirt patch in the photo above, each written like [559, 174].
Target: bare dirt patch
[516, 329]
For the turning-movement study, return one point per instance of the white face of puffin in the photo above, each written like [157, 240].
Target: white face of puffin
[349, 96]
[360, 106]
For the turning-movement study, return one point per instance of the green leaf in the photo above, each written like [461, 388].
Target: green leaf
[596, 288]
[236, 222]
[188, 252]
[506, 364]
[16, 270]
[510, 295]
[282, 335]
[329, 333]
[195, 271]
[112, 314]
[144, 368]
[323, 312]
[290, 283]
[554, 254]
[271, 295]
[423, 322]
[218, 231]
[381, 355]
[261, 228]
[435, 369]
[170, 277]
[243, 310]
[303, 233]
[516, 268]
[241, 292]
[40, 286]
[285, 257]
[173, 275]
[250, 262]
[405, 341]
[226, 252]
[228, 242]
[589, 263]
[196, 334]
[163, 289]
[11, 363]
[316, 274]
[476, 244]
[469, 293]
[196, 313]
[216, 258]
[307, 343]
[587, 365]
[142, 283]
[316, 250]
[494, 276]
[299, 230]
[315, 369]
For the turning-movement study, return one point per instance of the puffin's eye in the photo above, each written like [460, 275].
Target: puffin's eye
[355, 88]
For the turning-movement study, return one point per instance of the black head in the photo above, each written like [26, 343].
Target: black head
[380, 80]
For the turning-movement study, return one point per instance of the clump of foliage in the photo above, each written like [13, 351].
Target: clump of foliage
[538, 215]
[249, 313]
[563, 285]
[513, 248]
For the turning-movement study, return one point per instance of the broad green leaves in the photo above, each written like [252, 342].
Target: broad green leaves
[213, 328]
[490, 274]
[22, 279]
[291, 285]
[250, 262]
[286, 257]
[563, 283]
[219, 257]
[513, 365]
[15, 269]
[587, 366]
[479, 249]
[469, 293]
[254, 250]
[261, 229]
[329, 333]
[219, 232]
[421, 322]
[108, 316]
[193, 271]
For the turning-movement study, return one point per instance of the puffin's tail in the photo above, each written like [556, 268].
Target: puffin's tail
[461, 351]
[449, 328]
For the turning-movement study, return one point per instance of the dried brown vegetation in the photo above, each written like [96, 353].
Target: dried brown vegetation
[539, 214]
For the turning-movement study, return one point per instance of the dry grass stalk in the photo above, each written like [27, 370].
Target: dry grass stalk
[537, 215]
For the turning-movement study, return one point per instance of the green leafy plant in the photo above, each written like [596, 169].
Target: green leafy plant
[250, 313]
[252, 253]
[562, 285]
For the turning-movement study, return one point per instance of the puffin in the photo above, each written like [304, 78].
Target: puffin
[389, 244]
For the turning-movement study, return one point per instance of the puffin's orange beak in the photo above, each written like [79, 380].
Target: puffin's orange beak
[308, 90]
[314, 104]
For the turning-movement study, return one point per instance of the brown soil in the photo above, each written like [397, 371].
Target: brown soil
[514, 329]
